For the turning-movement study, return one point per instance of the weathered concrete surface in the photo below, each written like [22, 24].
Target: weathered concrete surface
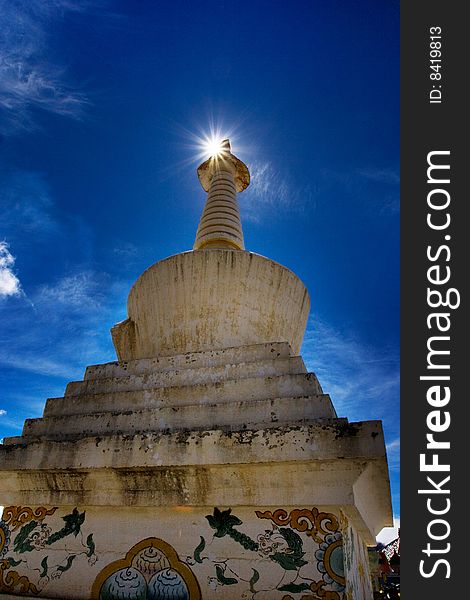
[230, 426]
[187, 377]
[261, 393]
[191, 360]
[284, 386]
[330, 459]
[231, 416]
[323, 440]
[210, 300]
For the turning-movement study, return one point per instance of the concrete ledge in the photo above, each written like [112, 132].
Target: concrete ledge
[190, 360]
[323, 440]
[232, 485]
[233, 416]
[188, 376]
[331, 461]
[233, 390]
[300, 483]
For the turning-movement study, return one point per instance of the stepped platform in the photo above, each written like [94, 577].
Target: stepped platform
[123, 433]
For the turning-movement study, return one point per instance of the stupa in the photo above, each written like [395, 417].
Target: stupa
[206, 462]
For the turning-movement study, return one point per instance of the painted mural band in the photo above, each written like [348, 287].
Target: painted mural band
[301, 554]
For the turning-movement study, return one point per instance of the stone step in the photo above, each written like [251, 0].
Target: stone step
[235, 416]
[12, 441]
[187, 377]
[190, 360]
[259, 388]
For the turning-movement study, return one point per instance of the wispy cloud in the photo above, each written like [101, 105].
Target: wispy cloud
[77, 312]
[266, 183]
[14, 424]
[37, 226]
[25, 204]
[393, 455]
[9, 282]
[31, 362]
[268, 190]
[29, 77]
[372, 190]
[48, 337]
[21, 407]
[388, 176]
[363, 381]
[63, 323]
[126, 251]
[83, 291]
[394, 446]
[386, 183]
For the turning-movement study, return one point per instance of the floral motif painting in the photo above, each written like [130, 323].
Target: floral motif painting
[298, 556]
[26, 535]
[266, 554]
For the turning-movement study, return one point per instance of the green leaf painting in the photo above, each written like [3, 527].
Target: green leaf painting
[198, 550]
[73, 522]
[22, 543]
[68, 564]
[223, 522]
[221, 577]
[281, 545]
[90, 545]
[253, 580]
[44, 567]
[295, 588]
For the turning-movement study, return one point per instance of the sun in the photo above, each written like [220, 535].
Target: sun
[213, 146]
[215, 141]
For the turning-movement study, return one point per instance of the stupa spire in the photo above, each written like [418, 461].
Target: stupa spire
[222, 176]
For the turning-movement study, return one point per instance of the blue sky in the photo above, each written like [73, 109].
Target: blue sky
[100, 104]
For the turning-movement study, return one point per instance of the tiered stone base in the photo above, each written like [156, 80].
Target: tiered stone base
[233, 389]
[222, 474]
